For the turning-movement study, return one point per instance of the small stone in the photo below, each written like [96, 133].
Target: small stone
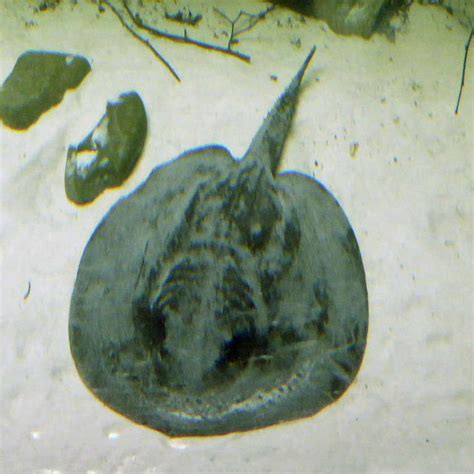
[353, 149]
[108, 155]
[38, 82]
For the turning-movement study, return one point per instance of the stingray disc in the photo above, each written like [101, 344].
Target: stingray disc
[221, 296]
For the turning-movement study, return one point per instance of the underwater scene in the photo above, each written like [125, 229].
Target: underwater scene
[236, 236]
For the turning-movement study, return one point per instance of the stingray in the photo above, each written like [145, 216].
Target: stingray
[222, 295]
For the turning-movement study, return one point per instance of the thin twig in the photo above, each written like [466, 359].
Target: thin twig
[27, 291]
[232, 25]
[181, 39]
[142, 40]
[253, 19]
[464, 70]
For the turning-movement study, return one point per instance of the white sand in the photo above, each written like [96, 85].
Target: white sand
[407, 192]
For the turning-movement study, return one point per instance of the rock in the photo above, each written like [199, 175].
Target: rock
[38, 82]
[363, 17]
[107, 156]
[222, 295]
[357, 17]
[463, 10]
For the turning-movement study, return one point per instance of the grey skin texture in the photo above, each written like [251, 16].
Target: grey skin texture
[38, 82]
[108, 155]
[221, 295]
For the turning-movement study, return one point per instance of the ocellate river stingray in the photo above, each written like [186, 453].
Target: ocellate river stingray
[222, 295]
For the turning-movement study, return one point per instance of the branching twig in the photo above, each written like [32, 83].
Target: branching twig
[253, 19]
[27, 291]
[464, 70]
[180, 39]
[142, 40]
[136, 19]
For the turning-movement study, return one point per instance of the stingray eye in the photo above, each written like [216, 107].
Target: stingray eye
[265, 213]
[255, 215]
[256, 231]
[256, 234]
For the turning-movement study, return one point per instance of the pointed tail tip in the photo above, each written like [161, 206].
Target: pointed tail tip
[311, 54]
[277, 123]
[307, 60]
[299, 76]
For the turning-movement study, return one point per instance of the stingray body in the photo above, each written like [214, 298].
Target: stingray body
[222, 296]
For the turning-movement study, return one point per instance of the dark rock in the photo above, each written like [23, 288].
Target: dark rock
[357, 17]
[38, 82]
[222, 295]
[107, 156]
[349, 17]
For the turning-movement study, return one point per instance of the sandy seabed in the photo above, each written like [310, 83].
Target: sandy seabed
[406, 187]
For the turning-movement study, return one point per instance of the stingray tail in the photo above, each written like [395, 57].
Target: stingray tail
[267, 145]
